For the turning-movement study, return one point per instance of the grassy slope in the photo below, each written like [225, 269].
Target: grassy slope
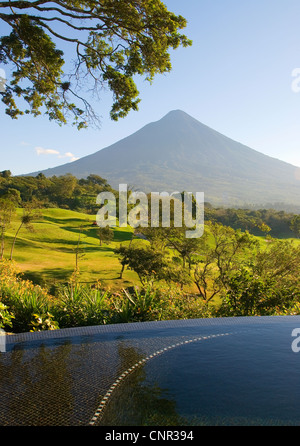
[48, 253]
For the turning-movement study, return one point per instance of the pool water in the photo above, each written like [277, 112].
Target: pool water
[235, 371]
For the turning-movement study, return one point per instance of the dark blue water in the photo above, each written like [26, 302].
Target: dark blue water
[251, 377]
[235, 371]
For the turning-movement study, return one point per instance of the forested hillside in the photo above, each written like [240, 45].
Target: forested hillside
[66, 191]
[69, 192]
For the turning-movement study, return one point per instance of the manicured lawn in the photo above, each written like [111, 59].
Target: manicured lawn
[48, 254]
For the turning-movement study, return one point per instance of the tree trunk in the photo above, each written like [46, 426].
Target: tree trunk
[2, 244]
[15, 238]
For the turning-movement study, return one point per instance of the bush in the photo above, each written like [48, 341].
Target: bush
[5, 316]
[79, 305]
[43, 322]
[21, 298]
[136, 305]
[249, 294]
[157, 303]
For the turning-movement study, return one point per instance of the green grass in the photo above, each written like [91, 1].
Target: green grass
[47, 255]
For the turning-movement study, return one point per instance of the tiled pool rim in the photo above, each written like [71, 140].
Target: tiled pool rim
[14, 339]
[228, 326]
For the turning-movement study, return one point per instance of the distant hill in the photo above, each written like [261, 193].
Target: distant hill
[179, 153]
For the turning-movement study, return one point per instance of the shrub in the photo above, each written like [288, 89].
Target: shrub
[79, 305]
[135, 305]
[249, 294]
[157, 303]
[5, 316]
[43, 322]
[21, 298]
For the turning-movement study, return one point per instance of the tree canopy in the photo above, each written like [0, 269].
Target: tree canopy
[112, 42]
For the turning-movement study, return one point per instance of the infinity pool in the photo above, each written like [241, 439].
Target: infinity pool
[231, 371]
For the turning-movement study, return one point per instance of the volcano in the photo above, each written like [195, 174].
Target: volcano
[179, 153]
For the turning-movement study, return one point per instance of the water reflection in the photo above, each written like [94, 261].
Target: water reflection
[41, 387]
[62, 382]
[137, 404]
[249, 378]
[55, 384]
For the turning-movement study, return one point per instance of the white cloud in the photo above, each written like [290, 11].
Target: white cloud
[42, 151]
[69, 155]
[24, 143]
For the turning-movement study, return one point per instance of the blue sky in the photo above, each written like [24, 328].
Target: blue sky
[236, 78]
